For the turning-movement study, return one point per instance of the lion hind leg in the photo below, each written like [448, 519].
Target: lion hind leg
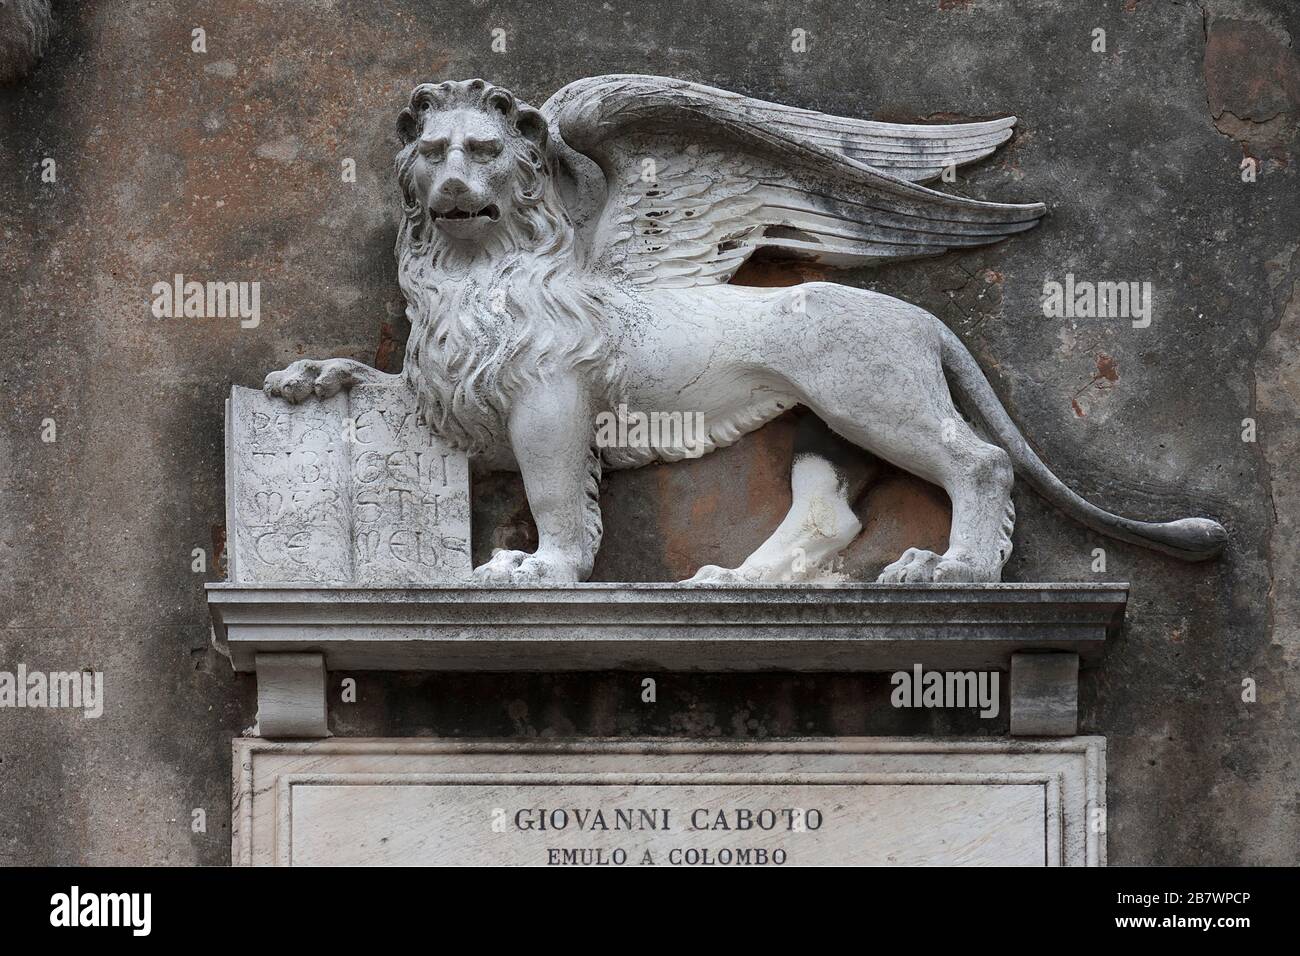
[914, 425]
[983, 515]
[818, 526]
[978, 478]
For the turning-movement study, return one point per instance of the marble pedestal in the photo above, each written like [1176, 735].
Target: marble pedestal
[304, 801]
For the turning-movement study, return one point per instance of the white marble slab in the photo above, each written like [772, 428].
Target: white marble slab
[860, 801]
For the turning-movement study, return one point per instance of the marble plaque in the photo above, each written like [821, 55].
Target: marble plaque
[864, 801]
[353, 489]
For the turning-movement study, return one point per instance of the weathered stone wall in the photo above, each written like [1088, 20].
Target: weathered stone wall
[225, 165]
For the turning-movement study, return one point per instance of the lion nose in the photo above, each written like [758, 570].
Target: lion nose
[453, 186]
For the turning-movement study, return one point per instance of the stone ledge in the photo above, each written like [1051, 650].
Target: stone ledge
[858, 627]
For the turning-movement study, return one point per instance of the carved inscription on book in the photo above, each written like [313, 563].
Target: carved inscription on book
[353, 489]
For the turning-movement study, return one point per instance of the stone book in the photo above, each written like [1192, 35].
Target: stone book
[353, 489]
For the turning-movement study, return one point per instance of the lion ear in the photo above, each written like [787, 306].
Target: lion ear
[533, 125]
[408, 125]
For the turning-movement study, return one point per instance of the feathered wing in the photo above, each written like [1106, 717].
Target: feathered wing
[690, 181]
[914, 152]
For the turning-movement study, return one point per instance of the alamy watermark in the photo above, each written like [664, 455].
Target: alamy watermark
[1085, 299]
[190, 299]
[934, 689]
[624, 428]
[74, 690]
[75, 908]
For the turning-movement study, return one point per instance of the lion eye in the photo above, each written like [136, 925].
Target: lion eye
[433, 149]
[484, 149]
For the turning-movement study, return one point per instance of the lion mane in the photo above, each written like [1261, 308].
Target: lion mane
[489, 320]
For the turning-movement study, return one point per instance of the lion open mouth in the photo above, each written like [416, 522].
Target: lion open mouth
[489, 212]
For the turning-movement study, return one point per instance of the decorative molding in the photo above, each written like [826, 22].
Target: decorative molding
[583, 627]
[860, 627]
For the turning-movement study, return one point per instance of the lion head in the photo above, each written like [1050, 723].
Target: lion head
[473, 169]
[486, 262]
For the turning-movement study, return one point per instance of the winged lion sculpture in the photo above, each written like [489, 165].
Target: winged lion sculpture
[562, 263]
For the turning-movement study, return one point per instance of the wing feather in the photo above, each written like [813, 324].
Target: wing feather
[910, 151]
[696, 180]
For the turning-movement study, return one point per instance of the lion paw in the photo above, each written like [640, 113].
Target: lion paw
[513, 568]
[914, 567]
[712, 574]
[499, 568]
[781, 572]
[917, 566]
[306, 378]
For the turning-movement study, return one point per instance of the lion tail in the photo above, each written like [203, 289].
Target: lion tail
[1190, 539]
